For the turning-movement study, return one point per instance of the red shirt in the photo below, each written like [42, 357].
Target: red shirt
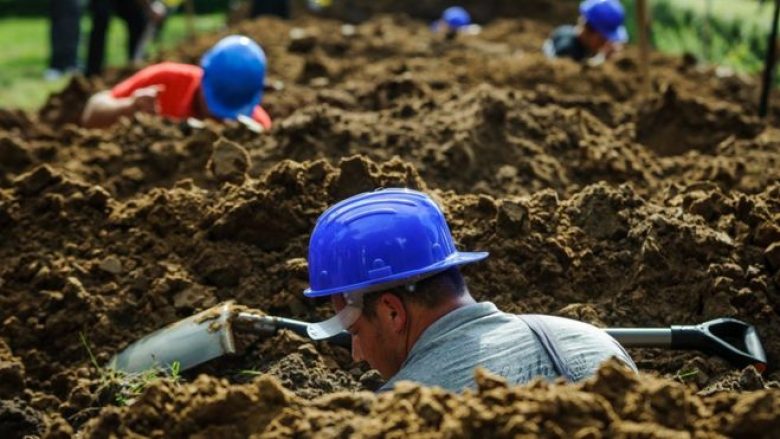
[181, 82]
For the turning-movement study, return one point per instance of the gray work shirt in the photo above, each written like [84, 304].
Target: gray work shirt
[449, 350]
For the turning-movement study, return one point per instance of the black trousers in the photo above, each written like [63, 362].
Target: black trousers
[130, 11]
[64, 33]
[280, 8]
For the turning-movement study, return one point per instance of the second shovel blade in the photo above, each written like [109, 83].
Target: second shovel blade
[190, 342]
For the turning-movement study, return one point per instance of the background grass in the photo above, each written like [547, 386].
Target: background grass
[732, 33]
[25, 54]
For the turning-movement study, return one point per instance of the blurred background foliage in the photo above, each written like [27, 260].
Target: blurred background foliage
[732, 33]
[39, 8]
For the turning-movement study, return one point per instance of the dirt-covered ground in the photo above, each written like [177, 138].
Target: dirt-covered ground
[597, 201]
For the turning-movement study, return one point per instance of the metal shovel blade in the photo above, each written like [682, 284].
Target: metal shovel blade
[190, 342]
[730, 339]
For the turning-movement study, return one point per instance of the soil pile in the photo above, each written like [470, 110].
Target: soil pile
[615, 403]
[596, 202]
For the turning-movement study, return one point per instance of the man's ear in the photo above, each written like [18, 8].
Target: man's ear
[391, 309]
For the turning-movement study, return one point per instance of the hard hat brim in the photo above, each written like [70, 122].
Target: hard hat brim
[619, 35]
[457, 258]
[222, 111]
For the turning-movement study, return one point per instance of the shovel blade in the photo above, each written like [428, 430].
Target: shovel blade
[190, 342]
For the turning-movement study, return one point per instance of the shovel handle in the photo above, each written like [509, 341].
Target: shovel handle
[343, 339]
[642, 337]
[730, 339]
[270, 325]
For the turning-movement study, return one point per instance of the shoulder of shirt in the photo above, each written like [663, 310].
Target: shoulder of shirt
[565, 29]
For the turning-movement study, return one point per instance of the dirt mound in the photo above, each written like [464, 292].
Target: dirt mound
[595, 201]
[670, 125]
[615, 403]
[131, 266]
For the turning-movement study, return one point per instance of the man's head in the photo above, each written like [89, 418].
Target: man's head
[602, 23]
[384, 256]
[233, 77]
[452, 20]
[391, 321]
[455, 17]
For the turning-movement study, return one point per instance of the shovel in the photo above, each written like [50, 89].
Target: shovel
[733, 340]
[210, 334]
[203, 337]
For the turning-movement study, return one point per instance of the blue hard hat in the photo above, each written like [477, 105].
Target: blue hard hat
[379, 240]
[233, 77]
[606, 17]
[456, 17]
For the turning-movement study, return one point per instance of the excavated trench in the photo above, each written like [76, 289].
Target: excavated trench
[596, 202]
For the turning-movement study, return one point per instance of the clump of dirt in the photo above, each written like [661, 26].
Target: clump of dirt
[67, 105]
[593, 201]
[229, 162]
[11, 372]
[17, 420]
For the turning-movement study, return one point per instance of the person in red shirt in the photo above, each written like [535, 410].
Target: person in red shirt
[228, 84]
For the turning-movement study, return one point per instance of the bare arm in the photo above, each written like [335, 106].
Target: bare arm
[103, 109]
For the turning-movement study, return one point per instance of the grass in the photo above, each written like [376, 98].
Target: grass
[125, 387]
[25, 55]
[685, 376]
[732, 33]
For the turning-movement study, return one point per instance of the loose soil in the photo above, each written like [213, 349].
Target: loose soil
[596, 200]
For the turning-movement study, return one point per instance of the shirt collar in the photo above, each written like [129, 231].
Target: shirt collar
[450, 322]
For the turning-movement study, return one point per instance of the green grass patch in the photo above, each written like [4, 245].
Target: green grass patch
[124, 388]
[26, 53]
[732, 33]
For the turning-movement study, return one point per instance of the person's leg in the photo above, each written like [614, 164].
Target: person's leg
[72, 33]
[64, 35]
[136, 20]
[279, 8]
[283, 9]
[101, 15]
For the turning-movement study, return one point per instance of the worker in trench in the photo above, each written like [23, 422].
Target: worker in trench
[388, 263]
[454, 20]
[228, 85]
[598, 34]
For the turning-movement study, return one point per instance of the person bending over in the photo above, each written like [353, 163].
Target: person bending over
[228, 84]
[389, 264]
[600, 30]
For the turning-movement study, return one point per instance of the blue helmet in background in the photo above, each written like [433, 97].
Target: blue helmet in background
[456, 17]
[378, 240]
[233, 77]
[606, 17]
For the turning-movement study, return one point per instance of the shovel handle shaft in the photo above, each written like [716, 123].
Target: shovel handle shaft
[642, 337]
[343, 339]
[270, 325]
